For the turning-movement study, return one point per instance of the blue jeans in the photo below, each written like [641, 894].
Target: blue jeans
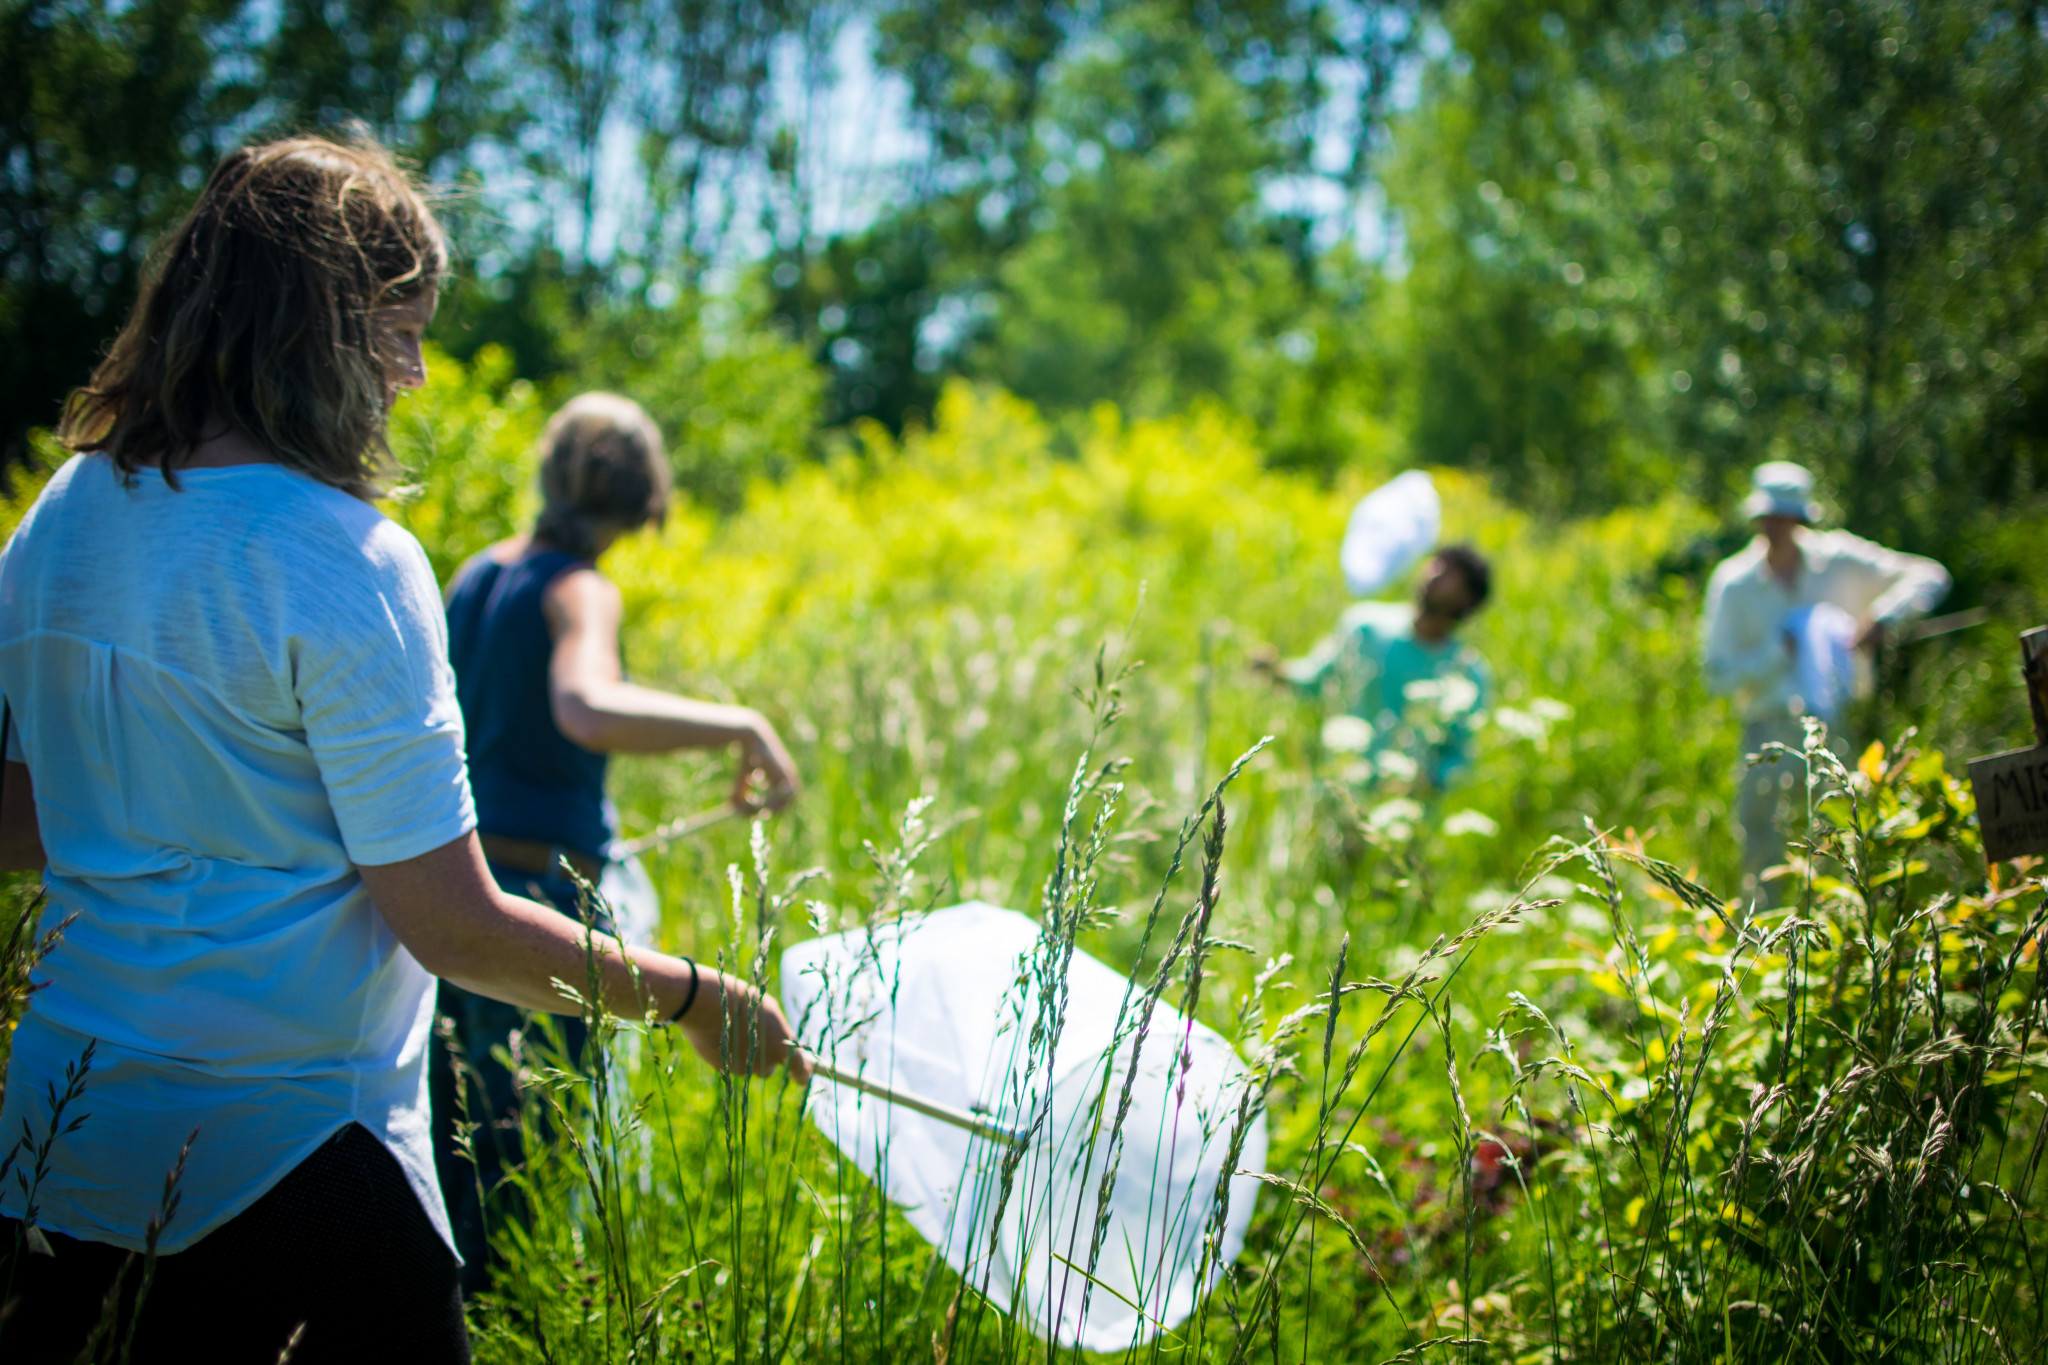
[476, 1197]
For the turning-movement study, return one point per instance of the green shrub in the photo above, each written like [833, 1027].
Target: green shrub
[1801, 1134]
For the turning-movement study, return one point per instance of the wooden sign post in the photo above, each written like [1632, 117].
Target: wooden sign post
[2012, 788]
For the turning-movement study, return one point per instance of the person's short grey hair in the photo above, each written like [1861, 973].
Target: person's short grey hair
[602, 467]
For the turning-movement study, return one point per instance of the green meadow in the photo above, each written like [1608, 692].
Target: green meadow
[1019, 366]
[1538, 1085]
[1574, 1100]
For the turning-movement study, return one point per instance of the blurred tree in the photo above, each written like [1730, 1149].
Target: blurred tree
[864, 302]
[1732, 232]
[1151, 272]
[527, 306]
[686, 95]
[425, 75]
[115, 113]
[1646, 243]
[736, 399]
[1129, 201]
[1854, 235]
[705, 111]
[576, 58]
[1526, 311]
[109, 117]
[119, 111]
[892, 306]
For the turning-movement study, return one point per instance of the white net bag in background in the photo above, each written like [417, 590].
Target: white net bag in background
[1390, 531]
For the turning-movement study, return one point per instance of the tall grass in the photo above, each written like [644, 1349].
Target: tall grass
[1810, 1133]
[1535, 1087]
[1801, 1134]
[1468, 1060]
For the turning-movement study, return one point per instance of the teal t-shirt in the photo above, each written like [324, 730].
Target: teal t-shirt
[1419, 697]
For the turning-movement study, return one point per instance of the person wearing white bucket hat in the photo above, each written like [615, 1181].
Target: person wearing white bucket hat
[1790, 621]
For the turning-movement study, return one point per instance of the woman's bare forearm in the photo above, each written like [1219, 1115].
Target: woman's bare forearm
[525, 957]
[448, 911]
[626, 718]
[451, 915]
[594, 705]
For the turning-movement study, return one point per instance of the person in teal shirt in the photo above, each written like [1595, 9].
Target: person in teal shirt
[1401, 674]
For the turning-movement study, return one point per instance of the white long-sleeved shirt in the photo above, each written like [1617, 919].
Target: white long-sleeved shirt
[1747, 605]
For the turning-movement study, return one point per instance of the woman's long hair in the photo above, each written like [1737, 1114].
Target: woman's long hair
[601, 469]
[255, 316]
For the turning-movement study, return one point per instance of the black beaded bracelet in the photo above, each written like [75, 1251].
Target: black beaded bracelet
[691, 998]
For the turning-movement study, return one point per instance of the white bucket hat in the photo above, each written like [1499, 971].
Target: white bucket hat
[1780, 488]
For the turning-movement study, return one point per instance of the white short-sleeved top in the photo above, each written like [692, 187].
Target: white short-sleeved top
[229, 695]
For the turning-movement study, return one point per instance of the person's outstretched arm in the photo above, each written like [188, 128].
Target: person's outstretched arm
[452, 917]
[1902, 587]
[596, 707]
[1307, 674]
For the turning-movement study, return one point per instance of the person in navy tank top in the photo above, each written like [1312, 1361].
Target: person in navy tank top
[533, 634]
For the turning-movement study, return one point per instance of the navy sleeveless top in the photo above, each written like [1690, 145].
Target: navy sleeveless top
[530, 780]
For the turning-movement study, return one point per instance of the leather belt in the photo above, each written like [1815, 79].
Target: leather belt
[531, 855]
